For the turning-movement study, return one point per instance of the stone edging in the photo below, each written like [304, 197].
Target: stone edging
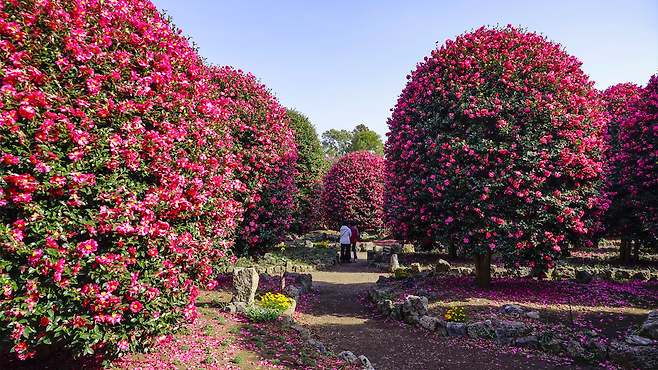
[640, 352]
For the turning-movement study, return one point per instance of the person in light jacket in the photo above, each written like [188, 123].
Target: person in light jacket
[345, 234]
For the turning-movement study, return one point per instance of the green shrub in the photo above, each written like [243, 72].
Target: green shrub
[260, 314]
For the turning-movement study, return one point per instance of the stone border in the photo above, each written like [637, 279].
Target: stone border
[638, 351]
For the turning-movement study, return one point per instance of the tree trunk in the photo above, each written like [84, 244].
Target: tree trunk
[452, 251]
[482, 270]
[636, 251]
[624, 250]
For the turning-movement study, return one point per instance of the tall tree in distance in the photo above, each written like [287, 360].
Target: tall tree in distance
[311, 167]
[337, 143]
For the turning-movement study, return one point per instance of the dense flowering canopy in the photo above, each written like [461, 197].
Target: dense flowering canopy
[638, 137]
[117, 175]
[311, 167]
[266, 152]
[353, 190]
[621, 103]
[496, 143]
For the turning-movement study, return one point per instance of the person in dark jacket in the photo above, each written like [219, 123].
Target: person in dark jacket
[353, 238]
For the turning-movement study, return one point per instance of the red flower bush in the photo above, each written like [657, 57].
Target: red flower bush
[496, 143]
[265, 148]
[116, 176]
[638, 137]
[621, 103]
[353, 190]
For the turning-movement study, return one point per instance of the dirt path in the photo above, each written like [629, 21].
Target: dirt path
[341, 317]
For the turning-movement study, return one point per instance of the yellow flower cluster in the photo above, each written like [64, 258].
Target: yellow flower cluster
[402, 273]
[276, 301]
[456, 314]
[322, 244]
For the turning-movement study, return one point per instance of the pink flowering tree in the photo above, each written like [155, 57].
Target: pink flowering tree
[353, 190]
[311, 167]
[264, 146]
[496, 144]
[116, 177]
[638, 138]
[622, 219]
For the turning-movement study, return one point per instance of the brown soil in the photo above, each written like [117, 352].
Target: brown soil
[342, 317]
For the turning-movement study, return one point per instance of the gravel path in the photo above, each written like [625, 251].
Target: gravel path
[342, 319]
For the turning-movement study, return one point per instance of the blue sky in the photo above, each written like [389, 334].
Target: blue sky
[344, 63]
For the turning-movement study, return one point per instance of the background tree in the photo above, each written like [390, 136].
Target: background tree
[311, 167]
[337, 143]
[264, 146]
[638, 137]
[353, 190]
[622, 219]
[497, 143]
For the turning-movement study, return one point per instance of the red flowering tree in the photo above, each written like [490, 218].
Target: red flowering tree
[622, 219]
[116, 177]
[353, 190]
[638, 137]
[496, 143]
[264, 146]
[311, 167]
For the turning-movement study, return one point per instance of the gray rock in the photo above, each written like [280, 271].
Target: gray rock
[385, 307]
[642, 275]
[393, 263]
[604, 275]
[510, 309]
[422, 293]
[291, 291]
[442, 266]
[641, 357]
[650, 326]
[383, 280]
[441, 328]
[348, 356]
[429, 322]
[364, 363]
[528, 342]
[408, 248]
[508, 331]
[636, 340]
[563, 272]
[456, 329]
[583, 277]
[622, 274]
[416, 268]
[396, 314]
[482, 329]
[376, 294]
[460, 271]
[574, 349]
[598, 350]
[414, 308]
[367, 246]
[533, 315]
[305, 333]
[553, 346]
[245, 283]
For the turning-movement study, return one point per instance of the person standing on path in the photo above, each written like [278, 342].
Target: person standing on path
[345, 235]
[353, 238]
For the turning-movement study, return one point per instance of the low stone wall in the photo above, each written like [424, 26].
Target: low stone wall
[639, 351]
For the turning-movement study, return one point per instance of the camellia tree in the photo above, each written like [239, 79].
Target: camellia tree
[353, 190]
[117, 177]
[638, 138]
[264, 145]
[496, 143]
[311, 167]
[622, 219]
